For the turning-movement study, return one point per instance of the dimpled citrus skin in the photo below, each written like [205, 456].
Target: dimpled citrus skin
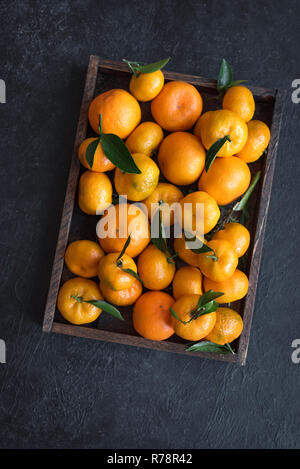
[138, 186]
[94, 192]
[258, 140]
[226, 180]
[234, 288]
[196, 329]
[237, 234]
[146, 86]
[181, 158]
[163, 196]
[177, 107]
[111, 273]
[187, 281]
[82, 258]
[145, 138]
[154, 268]
[239, 99]
[217, 124]
[189, 206]
[133, 221]
[101, 163]
[120, 111]
[151, 315]
[184, 253]
[228, 327]
[71, 309]
[222, 268]
[125, 297]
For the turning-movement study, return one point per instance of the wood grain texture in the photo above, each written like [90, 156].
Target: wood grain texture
[262, 214]
[273, 100]
[70, 196]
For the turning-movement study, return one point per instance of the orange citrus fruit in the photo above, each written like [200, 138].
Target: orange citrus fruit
[163, 197]
[234, 288]
[125, 297]
[187, 281]
[111, 271]
[74, 311]
[101, 162]
[228, 327]
[82, 258]
[181, 158]
[217, 124]
[121, 112]
[151, 315]
[184, 253]
[155, 269]
[237, 234]
[196, 329]
[177, 107]
[239, 99]
[117, 223]
[94, 192]
[145, 138]
[222, 266]
[258, 140]
[146, 86]
[138, 186]
[200, 213]
[226, 180]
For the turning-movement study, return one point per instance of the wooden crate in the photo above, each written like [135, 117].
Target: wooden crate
[101, 76]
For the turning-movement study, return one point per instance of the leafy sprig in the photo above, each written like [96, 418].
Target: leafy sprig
[208, 346]
[202, 249]
[225, 78]
[120, 261]
[139, 67]
[214, 150]
[206, 305]
[101, 304]
[114, 149]
[161, 241]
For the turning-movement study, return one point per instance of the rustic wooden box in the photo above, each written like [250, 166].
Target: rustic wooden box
[103, 75]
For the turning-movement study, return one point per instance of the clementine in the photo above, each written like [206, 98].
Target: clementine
[151, 315]
[177, 107]
[181, 158]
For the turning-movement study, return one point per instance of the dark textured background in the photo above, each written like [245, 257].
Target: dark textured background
[58, 391]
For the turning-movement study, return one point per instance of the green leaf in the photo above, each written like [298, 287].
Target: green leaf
[202, 249]
[108, 308]
[124, 247]
[241, 204]
[214, 150]
[235, 83]
[117, 152]
[208, 297]
[160, 242]
[210, 347]
[90, 152]
[177, 317]
[225, 76]
[134, 274]
[137, 67]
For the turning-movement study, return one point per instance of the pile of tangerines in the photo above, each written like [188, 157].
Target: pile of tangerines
[158, 163]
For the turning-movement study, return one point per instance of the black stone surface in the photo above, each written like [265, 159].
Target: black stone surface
[58, 391]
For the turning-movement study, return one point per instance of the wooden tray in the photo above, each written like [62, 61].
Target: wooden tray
[101, 76]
